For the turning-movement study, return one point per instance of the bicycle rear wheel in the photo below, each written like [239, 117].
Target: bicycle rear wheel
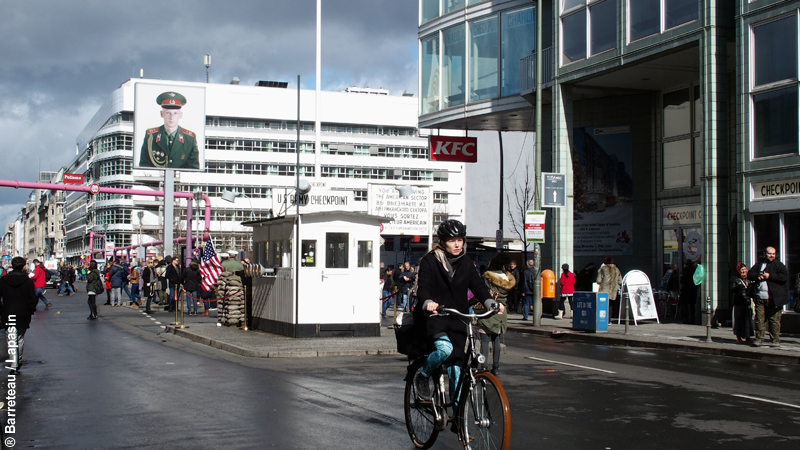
[420, 417]
[486, 416]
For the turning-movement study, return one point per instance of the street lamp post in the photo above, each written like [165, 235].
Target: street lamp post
[143, 253]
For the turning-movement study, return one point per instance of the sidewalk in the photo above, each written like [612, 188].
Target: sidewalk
[669, 336]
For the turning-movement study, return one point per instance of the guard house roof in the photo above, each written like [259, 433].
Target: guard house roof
[291, 217]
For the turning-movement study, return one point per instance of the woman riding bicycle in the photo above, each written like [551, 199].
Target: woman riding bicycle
[446, 273]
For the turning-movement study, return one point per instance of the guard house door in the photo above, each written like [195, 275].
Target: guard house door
[325, 275]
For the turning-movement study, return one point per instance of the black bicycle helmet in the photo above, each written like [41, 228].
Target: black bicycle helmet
[450, 229]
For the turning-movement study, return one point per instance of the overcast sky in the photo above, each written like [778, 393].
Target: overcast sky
[59, 60]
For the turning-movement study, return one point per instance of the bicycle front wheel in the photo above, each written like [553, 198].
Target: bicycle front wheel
[486, 416]
[420, 416]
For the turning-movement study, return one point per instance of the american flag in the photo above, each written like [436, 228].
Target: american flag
[210, 267]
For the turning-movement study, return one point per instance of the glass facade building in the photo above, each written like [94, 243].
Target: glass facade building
[675, 120]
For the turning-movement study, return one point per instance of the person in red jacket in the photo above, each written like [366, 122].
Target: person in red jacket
[567, 282]
[39, 281]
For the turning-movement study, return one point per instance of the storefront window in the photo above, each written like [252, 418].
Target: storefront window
[791, 221]
[644, 18]
[683, 151]
[776, 121]
[603, 17]
[336, 250]
[483, 59]
[766, 230]
[518, 41]
[364, 253]
[430, 74]
[678, 12]
[309, 253]
[573, 36]
[453, 66]
[429, 10]
[677, 113]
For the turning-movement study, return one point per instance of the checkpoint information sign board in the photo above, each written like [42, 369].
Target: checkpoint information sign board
[411, 215]
[554, 190]
[534, 226]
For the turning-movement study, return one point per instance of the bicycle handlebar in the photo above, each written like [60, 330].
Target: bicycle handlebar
[442, 311]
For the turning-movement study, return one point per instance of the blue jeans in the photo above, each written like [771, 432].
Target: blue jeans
[127, 291]
[402, 300]
[387, 303]
[190, 302]
[443, 350]
[135, 297]
[40, 296]
[66, 285]
[526, 305]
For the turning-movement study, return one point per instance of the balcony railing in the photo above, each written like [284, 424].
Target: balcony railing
[527, 71]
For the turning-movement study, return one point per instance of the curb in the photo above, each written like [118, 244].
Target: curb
[241, 351]
[684, 347]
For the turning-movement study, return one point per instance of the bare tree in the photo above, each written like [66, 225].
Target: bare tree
[519, 199]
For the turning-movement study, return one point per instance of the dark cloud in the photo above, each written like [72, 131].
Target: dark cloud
[60, 60]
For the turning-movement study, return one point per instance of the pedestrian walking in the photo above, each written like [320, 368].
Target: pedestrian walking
[609, 280]
[688, 296]
[501, 284]
[39, 282]
[529, 280]
[133, 278]
[190, 279]
[388, 289]
[174, 277]
[770, 293]
[94, 286]
[117, 276]
[567, 283]
[740, 299]
[18, 297]
[149, 285]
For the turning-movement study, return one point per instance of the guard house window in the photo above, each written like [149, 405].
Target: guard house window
[309, 253]
[336, 250]
[364, 253]
[587, 28]
[681, 144]
[774, 90]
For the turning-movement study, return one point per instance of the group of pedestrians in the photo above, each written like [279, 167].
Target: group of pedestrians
[397, 285]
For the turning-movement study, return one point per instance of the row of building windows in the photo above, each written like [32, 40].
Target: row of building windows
[431, 9]
[373, 173]
[113, 142]
[216, 190]
[476, 61]
[227, 122]
[117, 166]
[111, 216]
[589, 27]
[374, 150]
[259, 145]
[257, 169]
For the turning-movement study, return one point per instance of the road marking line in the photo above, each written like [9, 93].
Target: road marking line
[157, 322]
[767, 401]
[568, 364]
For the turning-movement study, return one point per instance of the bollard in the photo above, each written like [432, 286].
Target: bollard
[625, 298]
[708, 318]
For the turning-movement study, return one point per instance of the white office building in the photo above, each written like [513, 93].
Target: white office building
[348, 141]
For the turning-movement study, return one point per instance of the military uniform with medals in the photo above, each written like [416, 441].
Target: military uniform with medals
[165, 151]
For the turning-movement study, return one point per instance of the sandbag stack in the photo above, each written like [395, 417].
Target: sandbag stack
[230, 310]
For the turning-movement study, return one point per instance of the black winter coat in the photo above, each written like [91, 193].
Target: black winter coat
[191, 278]
[434, 284]
[18, 299]
[777, 283]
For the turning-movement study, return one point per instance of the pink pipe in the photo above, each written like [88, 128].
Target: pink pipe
[16, 184]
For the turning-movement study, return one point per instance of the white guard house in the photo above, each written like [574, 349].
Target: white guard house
[335, 290]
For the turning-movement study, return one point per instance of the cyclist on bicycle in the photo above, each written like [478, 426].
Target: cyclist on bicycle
[445, 275]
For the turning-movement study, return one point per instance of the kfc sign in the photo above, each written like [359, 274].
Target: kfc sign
[70, 178]
[451, 148]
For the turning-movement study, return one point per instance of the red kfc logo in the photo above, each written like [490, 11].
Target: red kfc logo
[451, 148]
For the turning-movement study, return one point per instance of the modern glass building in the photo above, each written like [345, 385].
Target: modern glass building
[676, 122]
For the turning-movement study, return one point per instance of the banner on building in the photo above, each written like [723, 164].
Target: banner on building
[602, 191]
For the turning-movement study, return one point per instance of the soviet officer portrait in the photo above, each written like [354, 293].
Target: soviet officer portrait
[170, 146]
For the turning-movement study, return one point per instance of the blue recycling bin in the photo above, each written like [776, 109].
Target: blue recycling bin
[590, 311]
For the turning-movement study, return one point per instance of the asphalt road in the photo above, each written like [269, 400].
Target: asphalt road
[119, 382]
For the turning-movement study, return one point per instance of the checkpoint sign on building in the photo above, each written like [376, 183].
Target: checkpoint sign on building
[534, 226]
[554, 190]
[411, 215]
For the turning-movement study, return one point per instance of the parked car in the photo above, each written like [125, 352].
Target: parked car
[55, 280]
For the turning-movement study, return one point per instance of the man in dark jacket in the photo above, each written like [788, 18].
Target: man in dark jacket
[191, 284]
[770, 294]
[118, 276]
[516, 293]
[18, 305]
[405, 282]
[174, 277]
[527, 293]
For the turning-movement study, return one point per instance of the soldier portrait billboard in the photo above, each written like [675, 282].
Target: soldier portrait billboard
[169, 127]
